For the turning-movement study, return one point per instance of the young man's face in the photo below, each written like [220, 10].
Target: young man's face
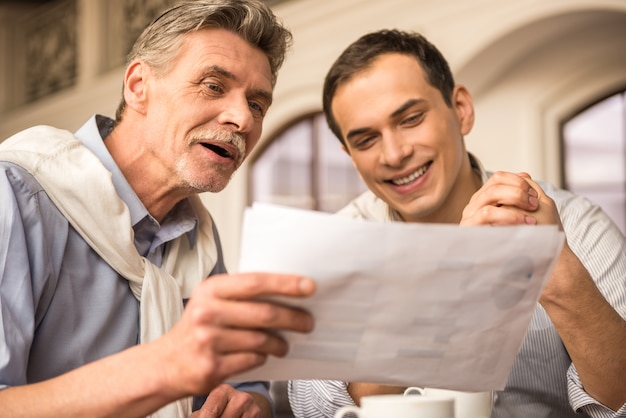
[218, 83]
[406, 143]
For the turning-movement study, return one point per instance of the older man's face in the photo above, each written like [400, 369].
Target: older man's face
[205, 115]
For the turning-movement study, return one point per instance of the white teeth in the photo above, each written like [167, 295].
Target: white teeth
[412, 176]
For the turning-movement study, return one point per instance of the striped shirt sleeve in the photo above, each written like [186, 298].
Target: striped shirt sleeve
[317, 398]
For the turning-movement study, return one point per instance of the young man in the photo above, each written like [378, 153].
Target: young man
[104, 236]
[392, 101]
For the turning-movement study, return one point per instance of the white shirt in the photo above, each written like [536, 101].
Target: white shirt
[543, 381]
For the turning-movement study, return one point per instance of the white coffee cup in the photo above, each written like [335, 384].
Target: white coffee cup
[466, 404]
[400, 406]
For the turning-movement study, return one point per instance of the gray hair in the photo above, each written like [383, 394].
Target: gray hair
[158, 45]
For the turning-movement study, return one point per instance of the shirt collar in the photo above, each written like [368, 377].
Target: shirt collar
[93, 134]
[478, 168]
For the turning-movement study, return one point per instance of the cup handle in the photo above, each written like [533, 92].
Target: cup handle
[413, 390]
[347, 409]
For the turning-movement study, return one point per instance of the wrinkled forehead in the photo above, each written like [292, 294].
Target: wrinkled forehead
[208, 49]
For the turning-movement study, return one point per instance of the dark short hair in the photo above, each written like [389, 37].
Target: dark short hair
[158, 45]
[361, 53]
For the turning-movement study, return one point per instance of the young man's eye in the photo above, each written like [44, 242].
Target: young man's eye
[415, 118]
[364, 142]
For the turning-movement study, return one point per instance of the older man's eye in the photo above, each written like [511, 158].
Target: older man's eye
[214, 87]
[257, 108]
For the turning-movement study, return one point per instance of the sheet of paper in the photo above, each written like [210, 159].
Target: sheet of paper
[408, 304]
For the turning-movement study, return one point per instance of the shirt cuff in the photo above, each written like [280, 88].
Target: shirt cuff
[581, 401]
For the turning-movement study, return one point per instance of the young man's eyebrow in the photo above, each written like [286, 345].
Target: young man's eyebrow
[408, 104]
[355, 132]
[403, 108]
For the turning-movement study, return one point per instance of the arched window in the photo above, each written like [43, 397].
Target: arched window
[305, 167]
[594, 155]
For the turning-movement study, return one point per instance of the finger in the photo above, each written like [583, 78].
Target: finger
[535, 186]
[503, 189]
[204, 355]
[236, 403]
[210, 367]
[262, 314]
[226, 341]
[215, 403]
[225, 301]
[510, 189]
[547, 212]
[254, 285]
[204, 309]
[499, 215]
[236, 363]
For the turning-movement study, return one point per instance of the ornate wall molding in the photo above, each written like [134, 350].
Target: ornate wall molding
[125, 21]
[50, 49]
[43, 51]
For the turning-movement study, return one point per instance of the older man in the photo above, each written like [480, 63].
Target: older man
[104, 236]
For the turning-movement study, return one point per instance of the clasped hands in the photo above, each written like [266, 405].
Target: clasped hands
[510, 199]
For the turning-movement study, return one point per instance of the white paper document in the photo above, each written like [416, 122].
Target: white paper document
[408, 304]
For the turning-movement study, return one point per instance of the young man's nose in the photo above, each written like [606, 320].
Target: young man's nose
[394, 150]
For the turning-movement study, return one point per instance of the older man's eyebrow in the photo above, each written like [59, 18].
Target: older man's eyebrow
[216, 69]
[264, 95]
[260, 93]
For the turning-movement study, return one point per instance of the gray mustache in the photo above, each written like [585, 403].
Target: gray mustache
[227, 137]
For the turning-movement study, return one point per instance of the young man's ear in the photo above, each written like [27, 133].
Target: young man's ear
[464, 108]
[135, 86]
